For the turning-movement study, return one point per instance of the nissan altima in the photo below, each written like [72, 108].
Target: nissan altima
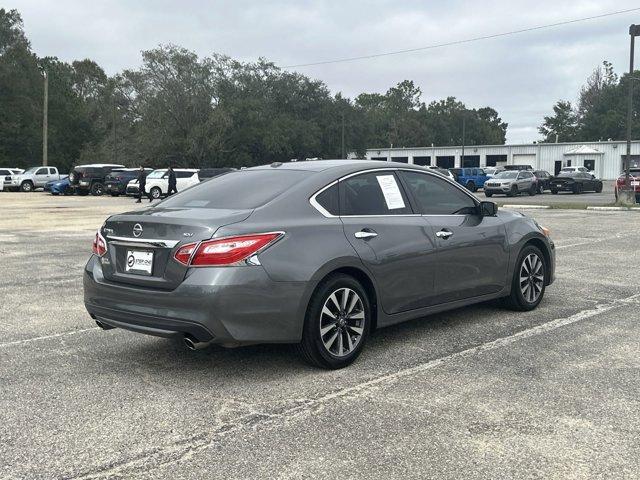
[317, 254]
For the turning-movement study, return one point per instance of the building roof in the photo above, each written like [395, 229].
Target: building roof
[584, 150]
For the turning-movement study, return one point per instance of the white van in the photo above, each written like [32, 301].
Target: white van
[158, 181]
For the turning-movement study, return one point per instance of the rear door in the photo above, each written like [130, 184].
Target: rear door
[393, 242]
[472, 251]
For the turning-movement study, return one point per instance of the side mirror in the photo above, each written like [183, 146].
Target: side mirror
[488, 209]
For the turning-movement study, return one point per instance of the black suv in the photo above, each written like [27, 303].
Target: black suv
[544, 180]
[85, 179]
[116, 182]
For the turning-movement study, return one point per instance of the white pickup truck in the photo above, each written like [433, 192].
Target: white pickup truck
[32, 178]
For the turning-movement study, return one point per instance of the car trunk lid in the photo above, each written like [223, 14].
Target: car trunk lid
[141, 245]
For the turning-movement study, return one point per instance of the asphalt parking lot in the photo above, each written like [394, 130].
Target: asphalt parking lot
[479, 392]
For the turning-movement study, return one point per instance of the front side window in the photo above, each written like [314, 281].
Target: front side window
[375, 193]
[436, 196]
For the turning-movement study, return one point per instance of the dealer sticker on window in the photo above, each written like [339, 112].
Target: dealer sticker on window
[139, 262]
[391, 192]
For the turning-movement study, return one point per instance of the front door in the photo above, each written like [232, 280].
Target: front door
[41, 177]
[394, 244]
[472, 251]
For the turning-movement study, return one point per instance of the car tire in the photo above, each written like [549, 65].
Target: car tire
[471, 186]
[331, 328]
[540, 189]
[528, 293]
[554, 191]
[513, 192]
[532, 190]
[488, 194]
[97, 189]
[156, 193]
[26, 187]
[599, 189]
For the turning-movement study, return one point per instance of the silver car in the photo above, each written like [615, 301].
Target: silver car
[318, 254]
[511, 183]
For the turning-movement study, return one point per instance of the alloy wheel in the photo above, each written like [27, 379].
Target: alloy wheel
[531, 277]
[342, 322]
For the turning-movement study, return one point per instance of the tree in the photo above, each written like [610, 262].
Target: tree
[562, 125]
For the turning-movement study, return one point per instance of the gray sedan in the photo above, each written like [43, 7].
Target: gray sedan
[317, 253]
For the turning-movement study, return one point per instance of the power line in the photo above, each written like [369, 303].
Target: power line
[459, 42]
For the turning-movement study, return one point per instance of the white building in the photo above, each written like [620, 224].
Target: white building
[604, 158]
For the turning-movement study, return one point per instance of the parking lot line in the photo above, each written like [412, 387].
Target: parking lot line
[47, 337]
[186, 447]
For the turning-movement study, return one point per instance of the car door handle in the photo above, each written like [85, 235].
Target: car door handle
[365, 234]
[444, 234]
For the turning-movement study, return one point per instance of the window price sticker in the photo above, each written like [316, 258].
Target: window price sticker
[391, 192]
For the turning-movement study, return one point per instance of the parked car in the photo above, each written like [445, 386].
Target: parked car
[442, 171]
[578, 169]
[472, 178]
[207, 173]
[493, 171]
[543, 180]
[576, 182]
[85, 179]
[312, 253]
[511, 183]
[32, 179]
[634, 178]
[132, 188]
[517, 167]
[58, 187]
[5, 176]
[158, 181]
[115, 183]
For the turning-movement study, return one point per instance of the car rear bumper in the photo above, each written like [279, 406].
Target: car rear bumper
[220, 305]
[114, 187]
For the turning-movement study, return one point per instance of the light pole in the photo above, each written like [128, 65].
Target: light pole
[45, 120]
[634, 31]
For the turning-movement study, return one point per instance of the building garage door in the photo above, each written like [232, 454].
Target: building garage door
[524, 159]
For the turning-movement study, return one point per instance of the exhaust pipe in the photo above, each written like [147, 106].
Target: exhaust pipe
[104, 326]
[193, 344]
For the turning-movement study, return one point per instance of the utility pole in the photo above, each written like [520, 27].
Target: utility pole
[464, 132]
[343, 152]
[634, 31]
[115, 138]
[45, 120]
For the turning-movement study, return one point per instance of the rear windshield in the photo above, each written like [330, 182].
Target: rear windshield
[243, 189]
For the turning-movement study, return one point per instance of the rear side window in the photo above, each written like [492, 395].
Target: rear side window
[184, 174]
[329, 200]
[436, 196]
[244, 189]
[375, 193]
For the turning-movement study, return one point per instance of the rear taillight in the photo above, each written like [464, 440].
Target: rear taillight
[99, 245]
[224, 251]
[183, 255]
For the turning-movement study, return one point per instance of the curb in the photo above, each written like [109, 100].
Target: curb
[615, 209]
[527, 207]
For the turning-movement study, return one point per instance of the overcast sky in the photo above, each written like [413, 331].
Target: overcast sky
[521, 76]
